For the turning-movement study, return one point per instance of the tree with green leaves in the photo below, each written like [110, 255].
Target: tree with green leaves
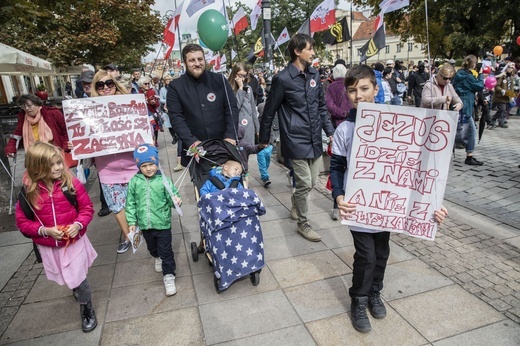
[74, 32]
[457, 28]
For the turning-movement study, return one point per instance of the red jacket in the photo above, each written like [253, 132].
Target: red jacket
[54, 119]
[55, 206]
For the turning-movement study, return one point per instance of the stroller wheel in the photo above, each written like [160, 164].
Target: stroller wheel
[194, 251]
[216, 282]
[255, 278]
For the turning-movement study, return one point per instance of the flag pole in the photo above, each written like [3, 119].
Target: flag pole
[178, 33]
[234, 44]
[278, 47]
[351, 36]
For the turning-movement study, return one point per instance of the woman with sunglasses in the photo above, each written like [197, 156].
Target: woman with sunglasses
[467, 82]
[247, 113]
[37, 122]
[115, 170]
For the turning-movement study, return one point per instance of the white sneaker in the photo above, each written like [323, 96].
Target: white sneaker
[169, 284]
[158, 264]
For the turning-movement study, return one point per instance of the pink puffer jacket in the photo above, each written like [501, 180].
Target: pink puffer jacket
[56, 210]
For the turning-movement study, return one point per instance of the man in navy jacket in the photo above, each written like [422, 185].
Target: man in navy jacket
[297, 95]
[201, 104]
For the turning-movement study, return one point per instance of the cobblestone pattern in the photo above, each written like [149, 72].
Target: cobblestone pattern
[16, 290]
[483, 265]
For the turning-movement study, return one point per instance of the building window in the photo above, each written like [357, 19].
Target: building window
[410, 46]
[398, 48]
[423, 47]
[387, 49]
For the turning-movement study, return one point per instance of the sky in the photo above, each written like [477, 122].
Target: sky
[190, 23]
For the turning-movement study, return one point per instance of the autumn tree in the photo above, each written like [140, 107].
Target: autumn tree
[456, 28]
[73, 32]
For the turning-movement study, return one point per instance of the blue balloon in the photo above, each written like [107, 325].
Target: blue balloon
[202, 44]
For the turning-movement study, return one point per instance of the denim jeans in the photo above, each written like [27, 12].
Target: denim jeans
[472, 134]
[264, 159]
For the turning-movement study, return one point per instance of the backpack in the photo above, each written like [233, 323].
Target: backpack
[29, 212]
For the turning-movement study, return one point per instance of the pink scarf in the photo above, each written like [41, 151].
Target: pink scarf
[44, 131]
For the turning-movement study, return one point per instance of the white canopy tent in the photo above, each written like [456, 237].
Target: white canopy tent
[13, 60]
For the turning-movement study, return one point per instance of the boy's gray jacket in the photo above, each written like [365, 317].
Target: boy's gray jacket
[302, 113]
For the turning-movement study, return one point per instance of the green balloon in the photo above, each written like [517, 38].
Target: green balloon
[213, 29]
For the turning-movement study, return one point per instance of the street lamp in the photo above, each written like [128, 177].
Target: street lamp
[266, 15]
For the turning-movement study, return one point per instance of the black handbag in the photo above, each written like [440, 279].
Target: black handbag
[462, 134]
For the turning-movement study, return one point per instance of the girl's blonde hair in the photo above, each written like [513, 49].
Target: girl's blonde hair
[120, 88]
[38, 163]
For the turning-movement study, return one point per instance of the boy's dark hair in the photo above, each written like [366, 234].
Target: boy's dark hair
[190, 48]
[387, 71]
[298, 42]
[359, 72]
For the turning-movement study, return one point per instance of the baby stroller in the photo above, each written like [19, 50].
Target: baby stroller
[231, 236]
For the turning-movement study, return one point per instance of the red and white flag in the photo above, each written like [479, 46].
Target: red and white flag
[255, 14]
[284, 37]
[323, 16]
[387, 6]
[239, 21]
[197, 5]
[169, 37]
[379, 21]
[177, 15]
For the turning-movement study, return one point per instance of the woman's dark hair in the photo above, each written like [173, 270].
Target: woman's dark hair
[190, 48]
[239, 66]
[299, 42]
[22, 100]
[469, 62]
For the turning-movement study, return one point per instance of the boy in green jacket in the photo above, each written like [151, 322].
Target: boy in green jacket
[148, 205]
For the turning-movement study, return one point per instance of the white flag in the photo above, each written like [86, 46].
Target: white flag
[255, 14]
[197, 5]
[387, 6]
[233, 54]
[284, 37]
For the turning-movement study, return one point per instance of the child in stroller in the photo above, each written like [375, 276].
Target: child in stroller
[229, 220]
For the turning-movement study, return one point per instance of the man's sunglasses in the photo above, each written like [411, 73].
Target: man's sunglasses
[109, 83]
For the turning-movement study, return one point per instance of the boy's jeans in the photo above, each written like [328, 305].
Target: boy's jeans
[159, 244]
[264, 160]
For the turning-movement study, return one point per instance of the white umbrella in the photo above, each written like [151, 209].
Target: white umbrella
[13, 60]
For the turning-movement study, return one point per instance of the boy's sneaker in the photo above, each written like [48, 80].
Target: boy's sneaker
[358, 312]
[169, 284]
[158, 265]
[267, 183]
[308, 233]
[124, 246]
[375, 305]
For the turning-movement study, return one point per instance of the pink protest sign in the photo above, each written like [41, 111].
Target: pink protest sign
[104, 125]
[398, 168]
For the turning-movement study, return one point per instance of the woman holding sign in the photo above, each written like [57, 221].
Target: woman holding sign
[115, 170]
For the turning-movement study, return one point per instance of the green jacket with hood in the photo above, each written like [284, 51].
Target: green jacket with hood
[148, 203]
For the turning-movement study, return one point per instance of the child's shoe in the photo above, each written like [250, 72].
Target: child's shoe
[358, 312]
[169, 284]
[267, 182]
[177, 168]
[88, 317]
[158, 265]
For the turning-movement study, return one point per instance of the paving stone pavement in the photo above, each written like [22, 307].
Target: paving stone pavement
[463, 288]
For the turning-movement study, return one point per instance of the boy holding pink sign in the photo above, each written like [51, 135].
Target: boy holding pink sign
[371, 245]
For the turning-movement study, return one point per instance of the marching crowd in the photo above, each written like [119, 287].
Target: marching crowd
[301, 106]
